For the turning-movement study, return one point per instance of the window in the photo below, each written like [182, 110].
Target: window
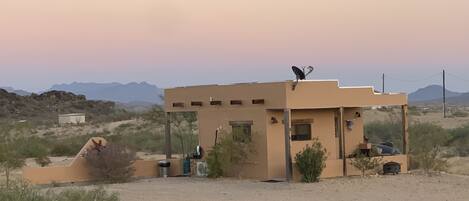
[301, 132]
[241, 131]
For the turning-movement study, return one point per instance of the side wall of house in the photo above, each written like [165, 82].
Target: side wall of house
[211, 119]
[323, 128]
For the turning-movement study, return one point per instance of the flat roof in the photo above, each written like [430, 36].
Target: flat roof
[278, 95]
[71, 114]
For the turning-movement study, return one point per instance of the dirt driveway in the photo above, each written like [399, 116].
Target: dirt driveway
[395, 188]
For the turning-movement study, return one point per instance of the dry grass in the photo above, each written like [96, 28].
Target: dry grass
[434, 118]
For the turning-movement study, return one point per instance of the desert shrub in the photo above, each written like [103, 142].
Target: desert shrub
[311, 161]
[83, 195]
[20, 191]
[384, 131]
[459, 113]
[431, 160]
[43, 161]
[226, 156]
[426, 141]
[31, 147]
[70, 146]
[146, 141]
[459, 140]
[62, 150]
[10, 160]
[366, 163]
[112, 163]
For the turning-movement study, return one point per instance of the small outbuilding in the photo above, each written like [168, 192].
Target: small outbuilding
[281, 120]
[74, 118]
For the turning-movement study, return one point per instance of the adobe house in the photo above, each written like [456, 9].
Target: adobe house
[281, 121]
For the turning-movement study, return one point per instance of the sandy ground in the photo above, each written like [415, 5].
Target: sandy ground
[402, 187]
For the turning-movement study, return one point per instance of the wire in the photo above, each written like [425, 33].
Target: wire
[418, 80]
[458, 77]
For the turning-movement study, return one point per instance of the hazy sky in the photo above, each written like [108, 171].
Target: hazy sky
[187, 42]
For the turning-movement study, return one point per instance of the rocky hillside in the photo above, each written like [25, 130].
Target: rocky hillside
[46, 106]
[123, 93]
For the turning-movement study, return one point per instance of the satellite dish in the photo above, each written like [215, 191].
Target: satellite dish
[301, 74]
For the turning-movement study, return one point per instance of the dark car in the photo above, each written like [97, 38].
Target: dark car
[386, 149]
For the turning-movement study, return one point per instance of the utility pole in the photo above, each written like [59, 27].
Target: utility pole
[382, 91]
[444, 94]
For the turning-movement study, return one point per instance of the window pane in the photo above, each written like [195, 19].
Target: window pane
[242, 132]
[302, 132]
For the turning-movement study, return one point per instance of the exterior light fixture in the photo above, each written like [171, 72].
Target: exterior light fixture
[273, 120]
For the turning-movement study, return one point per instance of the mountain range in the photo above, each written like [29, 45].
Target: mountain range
[122, 93]
[137, 95]
[16, 91]
[434, 94]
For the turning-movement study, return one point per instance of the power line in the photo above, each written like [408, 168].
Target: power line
[415, 80]
[458, 77]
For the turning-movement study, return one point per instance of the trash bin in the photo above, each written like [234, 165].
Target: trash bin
[164, 168]
[186, 170]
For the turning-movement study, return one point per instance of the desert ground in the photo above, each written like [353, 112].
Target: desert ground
[409, 187]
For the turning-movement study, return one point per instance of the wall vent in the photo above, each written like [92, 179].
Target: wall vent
[236, 102]
[178, 104]
[215, 102]
[197, 103]
[258, 101]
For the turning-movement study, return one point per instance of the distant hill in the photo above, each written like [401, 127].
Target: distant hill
[46, 106]
[123, 93]
[461, 100]
[16, 91]
[431, 93]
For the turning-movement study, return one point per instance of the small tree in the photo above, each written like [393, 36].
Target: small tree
[311, 161]
[365, 163]
[10, 160]
[112, 163]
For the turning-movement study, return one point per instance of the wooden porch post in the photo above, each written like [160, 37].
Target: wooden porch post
[168, 150]
[287, 126]
[405, 130]
[342, 141]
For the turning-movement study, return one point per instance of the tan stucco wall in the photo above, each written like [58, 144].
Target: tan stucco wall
[210, 120]
[323, 128]
[273, 93]
[317, 100]
[328, 94]
[279, 95]
[275, 145]
[77, 170]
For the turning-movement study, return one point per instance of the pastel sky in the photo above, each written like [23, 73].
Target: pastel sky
[189, 42]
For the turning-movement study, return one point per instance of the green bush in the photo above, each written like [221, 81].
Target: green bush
[20, 191]
[226, 157]
[311, 161]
